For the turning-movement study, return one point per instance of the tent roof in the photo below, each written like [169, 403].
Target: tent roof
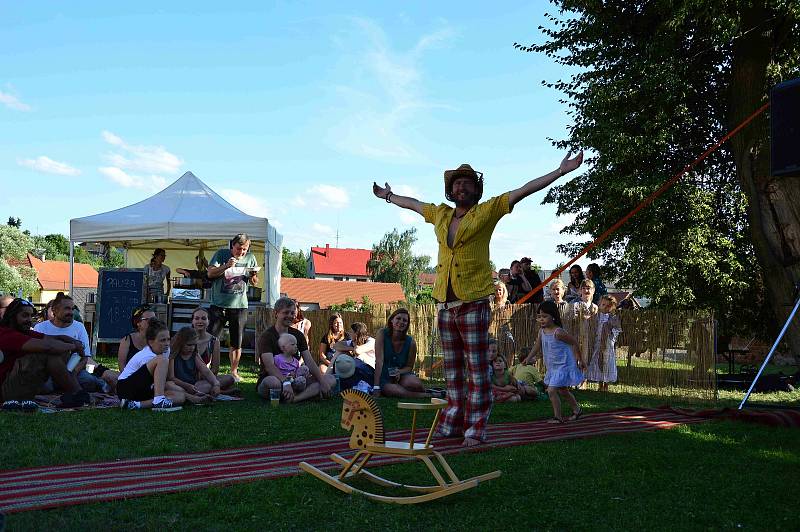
[187, 209]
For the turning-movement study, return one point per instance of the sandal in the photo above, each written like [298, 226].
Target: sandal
[576, 416]
[554, 421]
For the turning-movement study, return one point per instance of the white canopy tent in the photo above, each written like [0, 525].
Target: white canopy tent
[184, 218]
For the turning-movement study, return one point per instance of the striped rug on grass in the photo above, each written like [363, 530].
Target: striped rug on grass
[64, 485]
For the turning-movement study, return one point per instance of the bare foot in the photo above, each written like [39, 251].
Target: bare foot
[471, 442]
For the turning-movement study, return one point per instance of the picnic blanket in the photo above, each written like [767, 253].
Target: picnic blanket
[64, 485]
[49, 404]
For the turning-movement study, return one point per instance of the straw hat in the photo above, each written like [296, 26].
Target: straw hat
[344, 366]
[464, 170]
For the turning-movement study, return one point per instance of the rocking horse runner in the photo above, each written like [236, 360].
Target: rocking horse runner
[362, 416]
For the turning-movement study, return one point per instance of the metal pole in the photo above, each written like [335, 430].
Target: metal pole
[71, 264]
[769, 355]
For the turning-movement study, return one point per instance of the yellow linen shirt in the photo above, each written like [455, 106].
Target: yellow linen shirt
[466, 265]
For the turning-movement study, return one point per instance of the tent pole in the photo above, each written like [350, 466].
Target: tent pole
[71, 265]
[771, 351]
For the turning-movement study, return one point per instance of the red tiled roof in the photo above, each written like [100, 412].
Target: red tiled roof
[427, 279]
[54, 274]
[337, 261]
[326, 293]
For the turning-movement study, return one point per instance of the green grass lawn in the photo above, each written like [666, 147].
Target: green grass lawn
[715, 475]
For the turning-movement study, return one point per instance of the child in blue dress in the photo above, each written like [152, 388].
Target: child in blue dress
[560, 351]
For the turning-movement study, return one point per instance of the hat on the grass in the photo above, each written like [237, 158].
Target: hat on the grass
[344, 366]
[464, 170]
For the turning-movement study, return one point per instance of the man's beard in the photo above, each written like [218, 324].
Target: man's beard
[467, 202]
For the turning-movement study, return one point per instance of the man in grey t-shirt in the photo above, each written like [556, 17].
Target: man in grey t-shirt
[231, 278]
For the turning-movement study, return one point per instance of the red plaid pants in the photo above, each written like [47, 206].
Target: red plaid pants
[464, 331]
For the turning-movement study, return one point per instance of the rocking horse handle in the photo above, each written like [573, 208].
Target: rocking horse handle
[435, 404]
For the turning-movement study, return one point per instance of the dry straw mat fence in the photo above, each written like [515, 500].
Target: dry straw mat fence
[667, 353]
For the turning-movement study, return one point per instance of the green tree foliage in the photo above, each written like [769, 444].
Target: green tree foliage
[393, 261]
[654, 85]
[350, 305]
[14, 222]
[14, 244]
[55, 246]
[294, 264]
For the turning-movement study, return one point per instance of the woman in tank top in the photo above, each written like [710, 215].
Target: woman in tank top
[135, 341]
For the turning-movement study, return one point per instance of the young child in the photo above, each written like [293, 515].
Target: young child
[208, 349]
[288, 362]
[143, 382]
[603, 366]
[491, 354]
[504, 386]
[187, 370]
[560, 351]
[584, 325]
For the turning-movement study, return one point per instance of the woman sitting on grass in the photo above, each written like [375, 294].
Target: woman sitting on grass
[187, 370]
[135, 341]
[143, 382]
[395, 354]
[336, 333]
[207, 343]
[361, 345]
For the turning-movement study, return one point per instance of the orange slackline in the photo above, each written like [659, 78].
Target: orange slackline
[648, 200]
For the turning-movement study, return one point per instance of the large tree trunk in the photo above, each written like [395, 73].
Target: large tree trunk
[773, 203]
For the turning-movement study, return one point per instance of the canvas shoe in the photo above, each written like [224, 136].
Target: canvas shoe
[12, 406]
[127, 404]
[29, 406]
[164, 405]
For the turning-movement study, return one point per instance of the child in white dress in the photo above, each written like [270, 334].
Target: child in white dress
[603, 365]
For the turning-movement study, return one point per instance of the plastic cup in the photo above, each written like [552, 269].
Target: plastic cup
[274, 397]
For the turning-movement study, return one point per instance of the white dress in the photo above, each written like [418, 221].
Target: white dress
[603, 365]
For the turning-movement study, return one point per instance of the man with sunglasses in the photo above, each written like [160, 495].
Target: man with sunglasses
[29, 358]
[464, 285]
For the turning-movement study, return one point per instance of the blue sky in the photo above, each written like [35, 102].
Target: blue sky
[288, 109]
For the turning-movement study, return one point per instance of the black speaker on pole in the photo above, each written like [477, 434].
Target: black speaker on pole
[785, 129]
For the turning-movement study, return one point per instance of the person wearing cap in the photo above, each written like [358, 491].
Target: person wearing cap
[464, 285]
[229, 270]
[533, 279]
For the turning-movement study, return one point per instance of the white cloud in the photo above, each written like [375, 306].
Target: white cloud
[143, 167]
[12, 102]
[252, 205]
[323, 197]
[410, 218]
[152, 183]
[49, 166]
[380, 104]
[153, 159]
[323, 230]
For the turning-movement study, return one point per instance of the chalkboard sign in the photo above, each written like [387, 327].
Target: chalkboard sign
[119, 291]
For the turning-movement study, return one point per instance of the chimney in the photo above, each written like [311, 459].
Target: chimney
[327, 249]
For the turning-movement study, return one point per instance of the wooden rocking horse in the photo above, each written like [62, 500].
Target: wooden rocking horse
[362, 416]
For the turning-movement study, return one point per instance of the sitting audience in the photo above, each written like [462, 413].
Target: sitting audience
[395, 354]
[361, 345]
[288, 363]
[301, 323]
[135, 341]
[336, 333]
[207, 344]
[270, 377]
[62, 323]
[143, 382]
[29, 358]
[188, 371]
[504, 386]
